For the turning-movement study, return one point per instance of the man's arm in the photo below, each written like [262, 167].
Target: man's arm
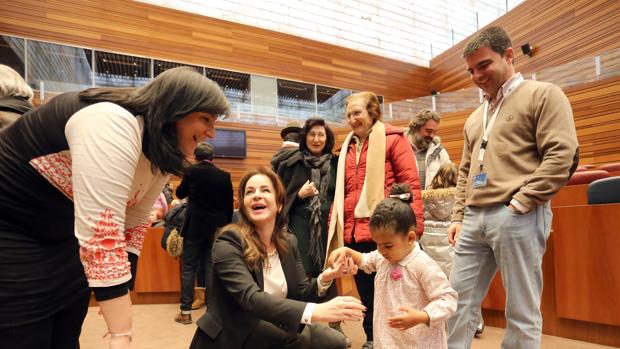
[183, 188]
[556, 140]
[461, 191]
[461, 183]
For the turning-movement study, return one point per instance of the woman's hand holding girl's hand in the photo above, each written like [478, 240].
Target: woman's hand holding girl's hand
[307, 190]
[410, 318]
[339, 269]
[343, 308]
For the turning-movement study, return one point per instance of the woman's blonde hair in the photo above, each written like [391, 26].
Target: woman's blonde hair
[372, 104]
[446, 176]
[255, 253]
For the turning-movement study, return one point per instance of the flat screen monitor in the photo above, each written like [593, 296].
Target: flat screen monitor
[229, 143]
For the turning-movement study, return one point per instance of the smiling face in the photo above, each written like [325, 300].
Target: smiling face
[489, 70]
[259, 201]
[393, 246]
[193, 129]
[316, 140]
[426, 133]
[358, 118]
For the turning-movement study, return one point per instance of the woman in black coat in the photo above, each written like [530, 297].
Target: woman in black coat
[309, 176]
[259, 294]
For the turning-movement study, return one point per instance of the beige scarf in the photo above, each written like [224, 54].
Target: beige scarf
[372, 191]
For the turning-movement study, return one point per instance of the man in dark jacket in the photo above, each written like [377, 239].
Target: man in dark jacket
[290, 144]
[210, 207]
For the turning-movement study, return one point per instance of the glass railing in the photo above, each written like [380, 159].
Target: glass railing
[55, 68]
[581, 71]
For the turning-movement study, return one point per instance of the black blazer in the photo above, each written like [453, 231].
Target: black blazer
[210, 194]
[236, 301]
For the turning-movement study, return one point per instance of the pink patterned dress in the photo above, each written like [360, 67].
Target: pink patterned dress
[418, 282]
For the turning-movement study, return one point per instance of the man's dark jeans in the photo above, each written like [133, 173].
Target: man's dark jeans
[195, 253]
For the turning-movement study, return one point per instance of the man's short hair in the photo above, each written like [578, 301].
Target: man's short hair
[421, 118]
[203, 151]
[494, 38]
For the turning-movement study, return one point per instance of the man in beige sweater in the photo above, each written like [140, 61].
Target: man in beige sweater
[518, 151]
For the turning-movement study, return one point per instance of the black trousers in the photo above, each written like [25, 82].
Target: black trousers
[313, 336]
[195, 253]
[365, 284]
[59, 331]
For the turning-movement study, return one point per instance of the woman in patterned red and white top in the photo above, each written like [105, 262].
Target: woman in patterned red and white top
[78, 178]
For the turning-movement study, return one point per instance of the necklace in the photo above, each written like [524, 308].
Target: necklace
[267, 267]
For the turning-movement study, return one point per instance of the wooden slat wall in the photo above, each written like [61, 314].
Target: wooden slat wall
[151, 31]
[596, 109]
[559, 31]
[261, 143]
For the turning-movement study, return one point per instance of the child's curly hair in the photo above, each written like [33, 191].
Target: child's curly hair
[395, 213]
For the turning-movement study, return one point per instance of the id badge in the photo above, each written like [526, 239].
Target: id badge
[480, 180]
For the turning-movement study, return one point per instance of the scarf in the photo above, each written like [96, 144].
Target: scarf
[372, 190]
[319, 173]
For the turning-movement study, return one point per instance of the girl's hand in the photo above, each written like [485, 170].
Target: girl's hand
[337, 256]
[410, 318]
[340, 269]
[307, 190]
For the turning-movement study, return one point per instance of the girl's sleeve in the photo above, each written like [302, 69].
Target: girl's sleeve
[442, 298]
[369, 261]
[105, 144]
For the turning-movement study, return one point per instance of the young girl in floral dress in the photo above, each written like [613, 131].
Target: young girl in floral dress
[413, 298]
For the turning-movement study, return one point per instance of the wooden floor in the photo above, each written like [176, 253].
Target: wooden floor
[154, 328]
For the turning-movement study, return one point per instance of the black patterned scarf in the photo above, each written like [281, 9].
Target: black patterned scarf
[319, 174]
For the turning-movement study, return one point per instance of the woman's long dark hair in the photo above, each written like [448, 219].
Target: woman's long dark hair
[168, 98]
[310, 123]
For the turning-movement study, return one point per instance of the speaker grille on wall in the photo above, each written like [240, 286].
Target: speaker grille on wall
[527, 49]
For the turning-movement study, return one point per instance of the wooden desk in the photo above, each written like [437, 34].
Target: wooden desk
[581, 276]
[571, 195]
[158, 278]
[587, 263]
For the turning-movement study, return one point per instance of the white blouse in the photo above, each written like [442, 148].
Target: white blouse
[112, 187]
[274, 283]
[273, 276]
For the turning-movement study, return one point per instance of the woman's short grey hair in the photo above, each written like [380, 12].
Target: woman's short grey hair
[12, 84]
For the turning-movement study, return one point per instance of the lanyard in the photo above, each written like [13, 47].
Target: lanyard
[487, 125]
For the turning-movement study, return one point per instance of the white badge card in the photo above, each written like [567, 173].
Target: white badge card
[480, 180]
